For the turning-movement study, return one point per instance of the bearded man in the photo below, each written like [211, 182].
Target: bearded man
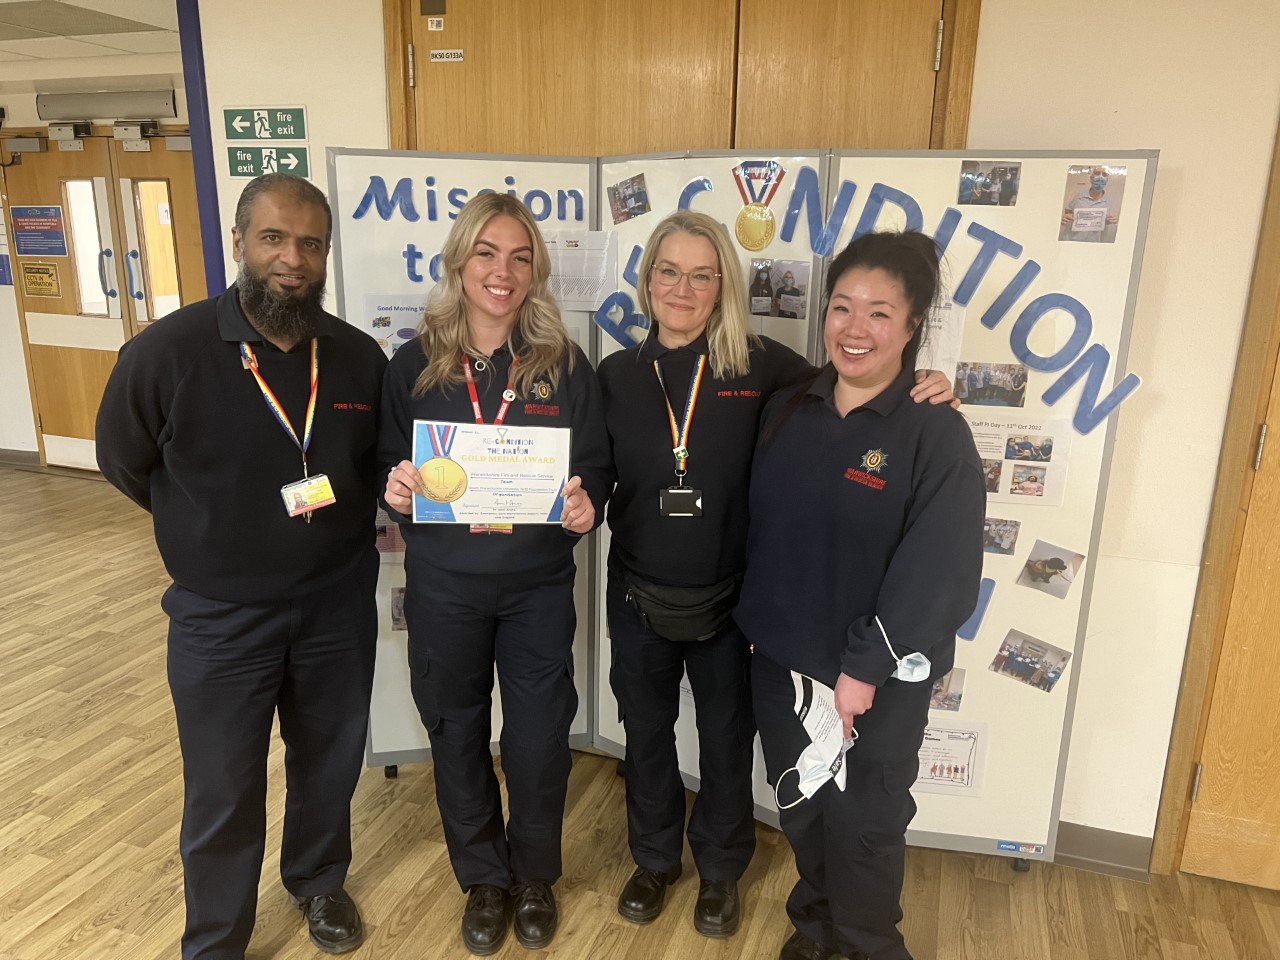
[246, 425]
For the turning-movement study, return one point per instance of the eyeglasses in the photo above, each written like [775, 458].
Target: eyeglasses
[669, 276]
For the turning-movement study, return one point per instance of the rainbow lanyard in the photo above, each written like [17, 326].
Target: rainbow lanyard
[251, 362]
[508, 394]
[680, 433]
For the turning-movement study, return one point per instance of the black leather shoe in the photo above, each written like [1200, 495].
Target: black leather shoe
[717, 911]
[800, 947]
[642, 898]
[332, 921]
[536, 916]
[484, 919]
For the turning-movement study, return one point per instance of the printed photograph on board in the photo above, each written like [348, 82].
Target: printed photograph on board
[991, 473]
[1051, 569]
[1091, 203]
[953, 757]
[1022, 446]
[991, 384]
[1033, 662]
[387, 538]
[948, 691]
[760, 291]
[397, 609]
[1000, 536]
[790, 288]
[1028, 481]
[992, 183]
[628, 199]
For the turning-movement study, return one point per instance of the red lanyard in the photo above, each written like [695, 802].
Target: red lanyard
[508, 395]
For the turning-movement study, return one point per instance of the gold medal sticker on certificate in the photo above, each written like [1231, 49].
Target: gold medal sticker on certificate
[443, 480]
[307, 495]
[754, 227]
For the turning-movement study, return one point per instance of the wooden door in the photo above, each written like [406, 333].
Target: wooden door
[837, 73]
[1233, 831]
[162, 253]
[105, 238]
[576, 77]
[66, 271]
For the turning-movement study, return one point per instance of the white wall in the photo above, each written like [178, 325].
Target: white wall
[17, 422]
[331, 62]
[1201, 84]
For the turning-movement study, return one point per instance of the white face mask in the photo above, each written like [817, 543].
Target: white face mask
[912, 668]
[823, 758]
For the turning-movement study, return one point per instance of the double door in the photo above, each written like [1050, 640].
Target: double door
[104, 239]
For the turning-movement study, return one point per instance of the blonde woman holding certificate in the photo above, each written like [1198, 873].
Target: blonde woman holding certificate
[492, 349]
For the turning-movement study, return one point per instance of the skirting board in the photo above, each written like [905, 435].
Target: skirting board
[1103, 851]
[20, 458]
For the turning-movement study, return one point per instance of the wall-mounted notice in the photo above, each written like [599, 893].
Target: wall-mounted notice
[38, 231]
[255, 161]
[265, 123]
[41, 280]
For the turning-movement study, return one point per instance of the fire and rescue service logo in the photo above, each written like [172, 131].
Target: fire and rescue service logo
[873, 460]
[542, 390]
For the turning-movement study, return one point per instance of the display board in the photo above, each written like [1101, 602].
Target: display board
[391, 214]
[1042, 253]
[1041, 260]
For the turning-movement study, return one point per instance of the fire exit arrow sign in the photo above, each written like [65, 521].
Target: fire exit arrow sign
[255, 161]
[265, 123]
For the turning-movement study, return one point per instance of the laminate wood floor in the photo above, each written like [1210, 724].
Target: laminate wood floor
[91, 790]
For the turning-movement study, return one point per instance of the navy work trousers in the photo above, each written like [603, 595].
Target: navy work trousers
[232, 666]
[849, 846]
[645, 676]
[460, 627]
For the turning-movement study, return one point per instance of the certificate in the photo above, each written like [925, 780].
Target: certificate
[1089, 219]
[488, 474]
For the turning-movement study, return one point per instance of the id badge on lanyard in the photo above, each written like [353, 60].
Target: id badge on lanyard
[313, 491]
[679, 500]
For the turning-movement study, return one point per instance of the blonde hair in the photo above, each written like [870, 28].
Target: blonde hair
[729, 338]
[539, 339]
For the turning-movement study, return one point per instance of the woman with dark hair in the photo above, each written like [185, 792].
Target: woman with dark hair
[864, 556]
[491, 348]
[682, 412]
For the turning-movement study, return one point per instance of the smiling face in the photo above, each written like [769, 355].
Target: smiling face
[284, 244]
[680, 311]
[497, 275]
[868, 324]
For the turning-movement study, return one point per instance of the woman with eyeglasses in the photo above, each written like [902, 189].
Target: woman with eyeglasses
[682, 412]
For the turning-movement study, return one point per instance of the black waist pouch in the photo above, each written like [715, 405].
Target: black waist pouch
[682, 613]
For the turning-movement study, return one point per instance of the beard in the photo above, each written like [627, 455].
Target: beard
[280, 316]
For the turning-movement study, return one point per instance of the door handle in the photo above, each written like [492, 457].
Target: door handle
[102, 272]
[131, 256]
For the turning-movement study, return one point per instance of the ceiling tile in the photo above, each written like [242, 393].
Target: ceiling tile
[57, 48]
[9, 32]
[66, 19]
[157, 41]
[156, 13]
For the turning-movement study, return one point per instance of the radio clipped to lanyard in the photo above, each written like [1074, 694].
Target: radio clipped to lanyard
[679, 500]
[311, 492]
[508, 397]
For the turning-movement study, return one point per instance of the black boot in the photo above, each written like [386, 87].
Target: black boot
[642, 898]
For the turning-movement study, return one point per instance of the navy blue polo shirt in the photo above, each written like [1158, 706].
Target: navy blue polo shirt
[879, 512]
